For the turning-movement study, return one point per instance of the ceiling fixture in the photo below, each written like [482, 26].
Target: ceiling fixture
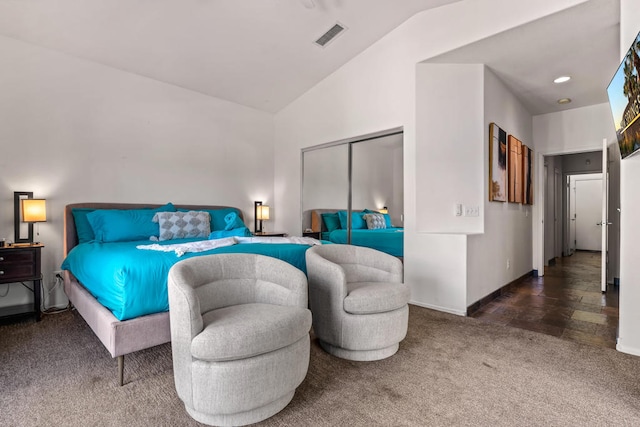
[330, 35]
[562, 79]
[564, 100]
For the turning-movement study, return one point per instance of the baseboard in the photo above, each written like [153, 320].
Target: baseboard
[438, 308]
[498, 292]
[629, 350]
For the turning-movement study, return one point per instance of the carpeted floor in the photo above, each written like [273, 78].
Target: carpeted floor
[449, 371]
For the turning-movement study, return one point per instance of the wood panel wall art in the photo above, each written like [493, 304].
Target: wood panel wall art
[497, 164]
[515, 170]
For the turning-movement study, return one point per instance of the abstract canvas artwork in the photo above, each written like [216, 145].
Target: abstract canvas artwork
[527, 175]
[497, 164]
[515, 170]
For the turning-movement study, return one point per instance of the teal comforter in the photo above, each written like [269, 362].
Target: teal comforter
[389, 240]
[133, 282]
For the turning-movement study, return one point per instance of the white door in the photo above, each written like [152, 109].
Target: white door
[604, 223]
[588, 214]
[557, 212]
[571, 200]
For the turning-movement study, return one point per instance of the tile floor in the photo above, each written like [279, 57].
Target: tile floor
[566, 302]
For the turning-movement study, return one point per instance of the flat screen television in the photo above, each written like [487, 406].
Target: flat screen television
[624, 100]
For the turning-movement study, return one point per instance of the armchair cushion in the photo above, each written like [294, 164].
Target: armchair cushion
[375, 297]
[248, 330]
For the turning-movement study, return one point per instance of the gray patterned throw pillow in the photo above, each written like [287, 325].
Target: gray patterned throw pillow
[375, 221]
[181, 225]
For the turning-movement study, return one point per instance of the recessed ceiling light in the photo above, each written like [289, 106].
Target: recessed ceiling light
[564, 100]
[562, 79]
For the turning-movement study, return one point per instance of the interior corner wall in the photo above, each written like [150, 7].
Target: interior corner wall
[376, 91]
[503, 252]
[449, 121]
[73, 131]
[629, 327]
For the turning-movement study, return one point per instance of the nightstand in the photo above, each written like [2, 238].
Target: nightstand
[22, 264]
[312, 234]
[270, 234]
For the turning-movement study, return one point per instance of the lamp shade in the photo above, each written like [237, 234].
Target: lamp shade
[263, 212]
[34, 210]
[384, 210]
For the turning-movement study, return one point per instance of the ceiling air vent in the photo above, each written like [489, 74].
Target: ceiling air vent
[330, 35]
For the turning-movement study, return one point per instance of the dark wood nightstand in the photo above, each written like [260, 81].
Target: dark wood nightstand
[22, 264]
[270, 234]
[312, 234]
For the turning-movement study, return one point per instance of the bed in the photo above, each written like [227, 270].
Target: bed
[331, 226]
[121, 323]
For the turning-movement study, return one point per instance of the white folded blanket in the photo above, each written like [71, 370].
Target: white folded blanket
[199, 246]
[292, 239]
[206, 245]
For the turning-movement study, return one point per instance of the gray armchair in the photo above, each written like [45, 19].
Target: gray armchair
[359, 303]
[240, 336]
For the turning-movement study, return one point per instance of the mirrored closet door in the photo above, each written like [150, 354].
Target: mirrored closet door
[353, 193]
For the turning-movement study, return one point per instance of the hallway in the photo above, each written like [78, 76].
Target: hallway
[566, 303]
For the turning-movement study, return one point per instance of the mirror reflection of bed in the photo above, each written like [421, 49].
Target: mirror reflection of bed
[362, 176]
[385, 238]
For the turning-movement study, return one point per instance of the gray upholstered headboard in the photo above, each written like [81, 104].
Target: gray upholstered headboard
[71, 237]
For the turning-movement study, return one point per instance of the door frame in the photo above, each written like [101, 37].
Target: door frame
[539, 211]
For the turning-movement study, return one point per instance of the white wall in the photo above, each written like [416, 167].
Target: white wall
[376, 91]
[507, 226]
[449, 119]
[72, 131]
[629, 331]
[326, 178]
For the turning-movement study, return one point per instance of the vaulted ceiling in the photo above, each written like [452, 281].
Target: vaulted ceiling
[261, 53]
[581, 42]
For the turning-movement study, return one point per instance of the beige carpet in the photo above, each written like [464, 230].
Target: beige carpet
[449, 371]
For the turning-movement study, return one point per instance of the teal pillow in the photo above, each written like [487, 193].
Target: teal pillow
[122, 225]
[83, 228]
[357, 220]
[331, 221]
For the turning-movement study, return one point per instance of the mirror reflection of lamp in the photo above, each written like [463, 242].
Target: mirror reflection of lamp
[34, 211]
[261, 213]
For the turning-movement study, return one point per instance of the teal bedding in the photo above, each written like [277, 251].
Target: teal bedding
[133, 282]
[388, 240]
